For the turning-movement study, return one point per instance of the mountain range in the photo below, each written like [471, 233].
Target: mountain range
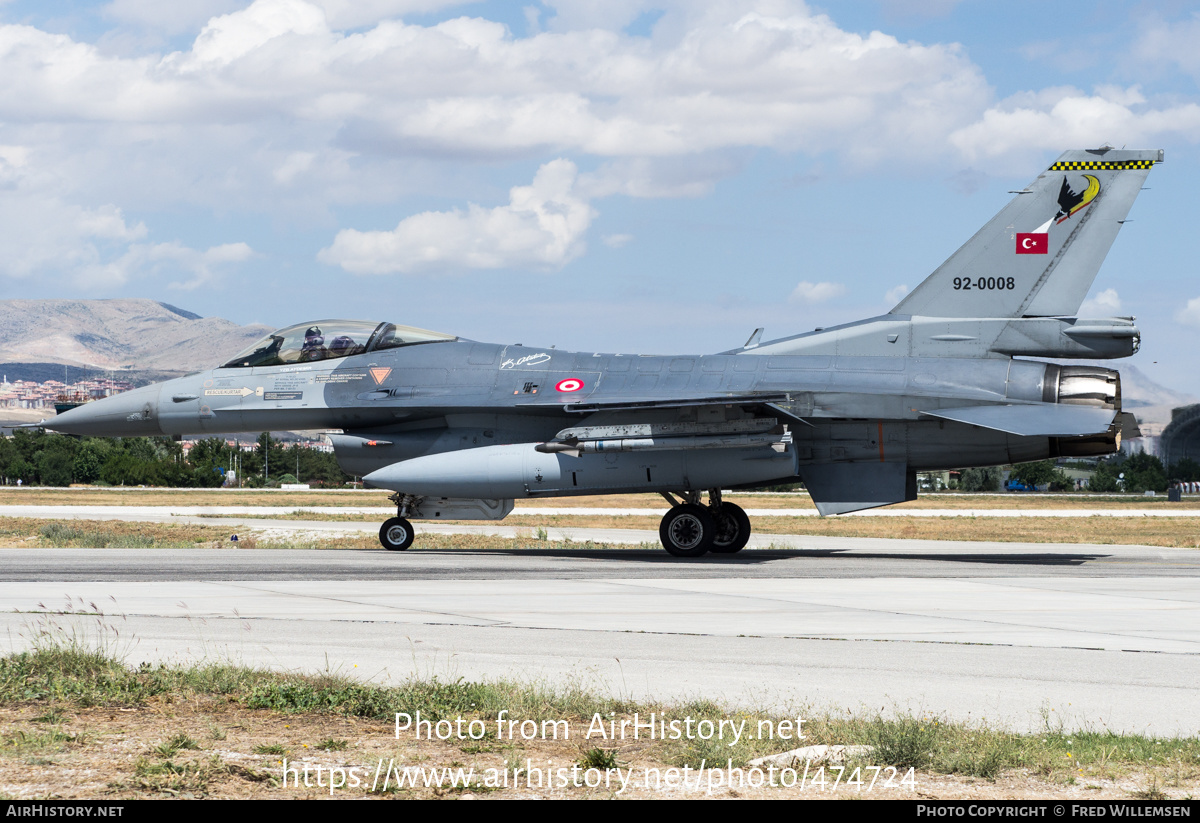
[135, 339]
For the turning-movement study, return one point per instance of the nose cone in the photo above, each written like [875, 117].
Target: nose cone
[131, 414]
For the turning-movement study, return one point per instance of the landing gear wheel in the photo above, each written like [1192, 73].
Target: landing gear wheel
[733, 528]
[687, 531]
[396, 534]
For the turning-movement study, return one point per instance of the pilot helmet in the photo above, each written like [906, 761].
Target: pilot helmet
[313, 336]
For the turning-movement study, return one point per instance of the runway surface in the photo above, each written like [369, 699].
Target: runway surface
[181, 513]
[1019, 634]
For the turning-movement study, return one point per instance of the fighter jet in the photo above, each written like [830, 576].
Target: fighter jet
[459, 429]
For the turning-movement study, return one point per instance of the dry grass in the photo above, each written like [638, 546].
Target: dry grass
[20, 532]
[76, 724]
[956, 501]
[122, 496]
[129, 496]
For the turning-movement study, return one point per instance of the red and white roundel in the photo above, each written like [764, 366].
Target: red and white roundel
[570, 384]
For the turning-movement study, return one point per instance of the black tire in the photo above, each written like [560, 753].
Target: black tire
[733, 529]
[687, 531]
[396, 534]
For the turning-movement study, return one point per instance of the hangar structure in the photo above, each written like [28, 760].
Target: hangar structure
[1181, 438]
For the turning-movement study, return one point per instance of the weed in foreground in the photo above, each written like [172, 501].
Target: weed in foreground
[173, 746]
[270, 748]
[50, 740]
[54, 716]
[1152, 791]
[189, 778]
[598, 758]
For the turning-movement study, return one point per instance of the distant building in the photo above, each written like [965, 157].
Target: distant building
[26, 394]
[1181, 437]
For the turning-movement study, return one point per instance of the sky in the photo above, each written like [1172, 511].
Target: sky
[632, 176]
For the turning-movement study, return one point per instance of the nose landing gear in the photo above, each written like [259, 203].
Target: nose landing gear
[396, 534]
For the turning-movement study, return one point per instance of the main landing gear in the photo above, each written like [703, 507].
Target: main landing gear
[689, 529]
[396, 534]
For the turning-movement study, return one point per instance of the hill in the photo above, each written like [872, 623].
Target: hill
[144, 340]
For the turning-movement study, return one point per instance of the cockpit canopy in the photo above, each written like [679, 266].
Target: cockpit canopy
[330, 339]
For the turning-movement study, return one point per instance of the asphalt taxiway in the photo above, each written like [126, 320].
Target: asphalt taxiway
[1018, 634]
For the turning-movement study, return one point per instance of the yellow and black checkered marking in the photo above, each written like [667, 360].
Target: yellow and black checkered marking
[1088, 165]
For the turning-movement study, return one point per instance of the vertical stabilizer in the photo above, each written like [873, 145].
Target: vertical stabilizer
[1039, 255]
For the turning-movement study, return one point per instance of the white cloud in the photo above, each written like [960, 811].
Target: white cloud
[1104, 304]
[1165, 43]
[285, 107]
[170, 18]
[166, 259]
[542, 227]
[40, 234]
[690, 176]
[806, 292]
[294, 165]
[350, 14]
[97, 248]
[616, 241]
[45, 235]
[761, 74]
[895, 295]
[1064, 117]
[724, 78]
[232, 36]
[612, 15]
[1189, 315]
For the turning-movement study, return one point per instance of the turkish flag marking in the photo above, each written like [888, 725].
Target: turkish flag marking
[1031, 243]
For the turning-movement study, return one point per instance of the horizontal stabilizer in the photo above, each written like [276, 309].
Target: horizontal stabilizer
[1044, 420]
[838, 488]
[1128, 425]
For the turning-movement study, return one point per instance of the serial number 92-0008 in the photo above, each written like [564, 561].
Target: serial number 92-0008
[966, 283]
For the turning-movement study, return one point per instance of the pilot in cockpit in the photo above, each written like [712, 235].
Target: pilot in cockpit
[314, 345]
[343, 346]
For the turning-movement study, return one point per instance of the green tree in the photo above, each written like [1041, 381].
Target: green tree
[1041, 473]
[1187, 470]
[209, 458]
[123, 469]
[54, 459]
[981, 480]
[89, 459]
[8, 457]
[1144, 472]
[314, 466]
[139, 448]
[268, 460]
[209, 453]
[1105, 480]
[28, 443]
[21, 470]
[54, 468]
